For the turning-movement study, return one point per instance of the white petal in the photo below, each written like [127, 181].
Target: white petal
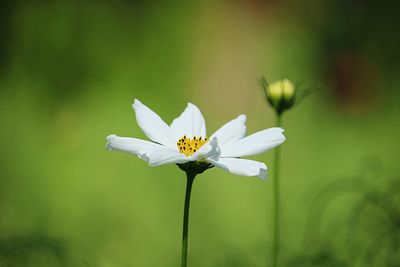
[153, 153]
[208, 150]
[128, 144]
[244, 167]
[153, 126]
[163, 155]
[231, 131]
[254, 144]
[190, 123]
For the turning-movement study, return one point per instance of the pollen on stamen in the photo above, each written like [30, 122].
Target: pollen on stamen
[188, 146]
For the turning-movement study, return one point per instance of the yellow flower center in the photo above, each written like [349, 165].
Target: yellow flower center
[188, 146]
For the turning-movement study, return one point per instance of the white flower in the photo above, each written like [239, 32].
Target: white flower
[186, 140]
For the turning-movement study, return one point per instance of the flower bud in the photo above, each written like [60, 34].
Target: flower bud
[281, 95]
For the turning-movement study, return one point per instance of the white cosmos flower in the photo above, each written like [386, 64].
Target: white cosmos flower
[186, 140]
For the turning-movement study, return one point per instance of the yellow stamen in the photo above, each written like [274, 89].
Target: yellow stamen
[188, 146]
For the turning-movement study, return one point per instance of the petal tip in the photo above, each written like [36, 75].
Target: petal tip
[191, 105]
[282, 135]
[263, 171]
[278, 129]
[111, 136]
[136, 103]
[109, 139]
[281, 131]
[263, 174]
[242, 117]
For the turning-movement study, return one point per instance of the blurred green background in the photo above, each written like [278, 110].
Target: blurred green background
[69, 71]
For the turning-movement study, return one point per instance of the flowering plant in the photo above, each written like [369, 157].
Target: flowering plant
[186, 144]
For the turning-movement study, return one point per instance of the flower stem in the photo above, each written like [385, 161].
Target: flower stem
[276, 201]
[190, 178]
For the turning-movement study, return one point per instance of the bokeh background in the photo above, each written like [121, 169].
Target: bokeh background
[69, 71]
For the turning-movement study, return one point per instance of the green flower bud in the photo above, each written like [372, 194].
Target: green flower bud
[280, 94]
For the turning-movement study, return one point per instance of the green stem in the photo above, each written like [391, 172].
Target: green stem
[190, 179]
[276, 201]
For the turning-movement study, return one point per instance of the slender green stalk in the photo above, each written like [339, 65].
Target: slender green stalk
[190, 179]
[276, 201]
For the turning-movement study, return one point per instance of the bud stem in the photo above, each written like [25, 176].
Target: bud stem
[276, 200]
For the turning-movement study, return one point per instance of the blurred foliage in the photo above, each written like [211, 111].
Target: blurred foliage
[369, 224]
[69, 71]
[32, 250]
[321, 256]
